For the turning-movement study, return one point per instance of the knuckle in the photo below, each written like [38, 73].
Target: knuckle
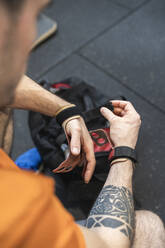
[138, 118]
[77, 129]
[131, 106]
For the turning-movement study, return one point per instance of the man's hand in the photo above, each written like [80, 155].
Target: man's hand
[80, 139]
[124, 123]
[112, 217]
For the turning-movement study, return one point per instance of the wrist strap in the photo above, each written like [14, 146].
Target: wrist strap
[67, 113]
[121, 160]
[123, 152]
[63, 108]
[64, 124]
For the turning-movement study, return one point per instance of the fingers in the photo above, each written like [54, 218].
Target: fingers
[90, 157]
[118, 111]
[123, 107]
[108, 114]
[75, 143]
[80, 138]
[119, 104]
[87, 145]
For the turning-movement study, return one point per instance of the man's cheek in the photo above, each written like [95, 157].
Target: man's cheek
[27, 33]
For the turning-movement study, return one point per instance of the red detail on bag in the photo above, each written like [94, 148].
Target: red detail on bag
[101, 140]
[111, 154]
[61, 85]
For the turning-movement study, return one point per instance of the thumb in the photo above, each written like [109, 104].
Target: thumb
[75, 144]
[108, 114]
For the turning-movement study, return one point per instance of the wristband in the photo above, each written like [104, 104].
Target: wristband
[67, 113]
[123, 152]
[63, 108]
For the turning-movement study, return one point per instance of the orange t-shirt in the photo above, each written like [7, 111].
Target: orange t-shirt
[30, 215]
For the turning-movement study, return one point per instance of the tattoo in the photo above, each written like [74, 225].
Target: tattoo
[113, 208]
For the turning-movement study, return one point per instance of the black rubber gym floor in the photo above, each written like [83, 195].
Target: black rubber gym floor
[119, 47]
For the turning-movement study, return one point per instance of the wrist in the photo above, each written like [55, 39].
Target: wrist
[128, 144]
[65, 123]
[121, 174]
[67, 113]
[123, 169]
[67, 106]
[123, 161]
[122, 152]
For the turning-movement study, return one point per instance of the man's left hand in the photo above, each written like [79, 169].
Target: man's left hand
[81, 140]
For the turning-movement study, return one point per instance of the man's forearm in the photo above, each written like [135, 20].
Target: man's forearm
[113, 212]
[30, 96]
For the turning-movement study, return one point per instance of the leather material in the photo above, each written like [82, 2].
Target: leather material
[101, 142]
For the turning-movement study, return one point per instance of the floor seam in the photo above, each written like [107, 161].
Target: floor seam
[129, 8]
[120, 82]
[80, 47]
[91, 40]
[130, 12]
[120, 5]
[54, 65]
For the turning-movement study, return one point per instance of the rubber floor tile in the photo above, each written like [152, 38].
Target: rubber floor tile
[133, 52]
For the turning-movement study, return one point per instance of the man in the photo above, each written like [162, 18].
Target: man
[31, 216]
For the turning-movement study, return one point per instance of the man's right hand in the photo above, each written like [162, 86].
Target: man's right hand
[125, 123]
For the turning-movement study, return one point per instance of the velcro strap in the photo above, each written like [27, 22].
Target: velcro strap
[95, 113]
[124, 152]
[67, 113]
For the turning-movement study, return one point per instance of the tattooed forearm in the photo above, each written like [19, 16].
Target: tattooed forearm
[113, 208]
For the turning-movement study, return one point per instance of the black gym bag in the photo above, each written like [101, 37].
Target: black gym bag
[50, 140]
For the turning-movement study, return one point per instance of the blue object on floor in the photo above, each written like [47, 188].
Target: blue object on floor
[29, 160]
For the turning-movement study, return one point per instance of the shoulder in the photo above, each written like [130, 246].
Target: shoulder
[23, 188]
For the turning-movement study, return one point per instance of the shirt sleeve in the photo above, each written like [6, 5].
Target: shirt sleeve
[31, 216]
